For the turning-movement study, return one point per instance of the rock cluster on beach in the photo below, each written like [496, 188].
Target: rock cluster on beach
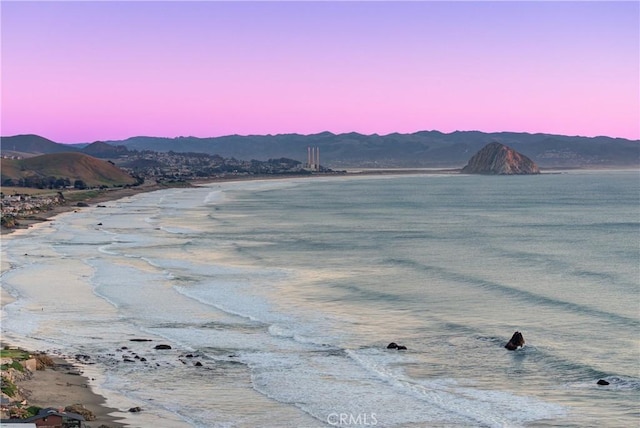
[498, 159]
[60, 377]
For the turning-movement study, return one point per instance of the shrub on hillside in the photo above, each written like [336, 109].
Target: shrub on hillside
[8, 387]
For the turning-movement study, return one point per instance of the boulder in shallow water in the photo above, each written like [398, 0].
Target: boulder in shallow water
[603, 382]
[162, 347]
[517, 341]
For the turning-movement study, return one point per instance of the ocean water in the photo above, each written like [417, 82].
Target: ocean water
[287, 293]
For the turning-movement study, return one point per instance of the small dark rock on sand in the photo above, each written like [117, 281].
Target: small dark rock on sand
[135, 409]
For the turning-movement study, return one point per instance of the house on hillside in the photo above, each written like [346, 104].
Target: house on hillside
[50, 418]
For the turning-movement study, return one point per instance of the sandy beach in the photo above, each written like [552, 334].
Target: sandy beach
[105, 195]
[90, 198]
[67, 382]
[63, 385]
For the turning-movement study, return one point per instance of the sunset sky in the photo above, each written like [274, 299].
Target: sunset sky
[86, 71]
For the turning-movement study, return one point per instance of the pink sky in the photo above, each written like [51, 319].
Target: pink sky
[85, 71]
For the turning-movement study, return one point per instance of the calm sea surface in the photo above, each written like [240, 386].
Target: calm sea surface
[288, 292]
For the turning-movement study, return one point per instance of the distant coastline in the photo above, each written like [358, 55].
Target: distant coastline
[94, 198]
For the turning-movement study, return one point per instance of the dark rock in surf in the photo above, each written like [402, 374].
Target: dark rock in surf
[498, 159]
[603, 382]
[162, 347]
[517, 341]
[394, 345]
[135, 409]
[198, 364]
[140, 340]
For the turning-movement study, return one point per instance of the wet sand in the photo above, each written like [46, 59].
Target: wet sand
[63, 385]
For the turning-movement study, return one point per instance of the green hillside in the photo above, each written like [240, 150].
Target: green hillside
[72, 166]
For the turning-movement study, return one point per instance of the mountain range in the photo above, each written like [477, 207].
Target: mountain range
[420, 149]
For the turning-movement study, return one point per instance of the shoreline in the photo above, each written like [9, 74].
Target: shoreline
[109, 195]
[66, 383]
[106, 195]
[63, 384]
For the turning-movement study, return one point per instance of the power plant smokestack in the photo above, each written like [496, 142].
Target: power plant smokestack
[313, 158]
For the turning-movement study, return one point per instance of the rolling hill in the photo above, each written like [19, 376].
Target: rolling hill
[73, 166]
[104, 150]
[31, 145]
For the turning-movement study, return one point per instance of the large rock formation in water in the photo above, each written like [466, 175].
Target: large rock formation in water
[498, 159]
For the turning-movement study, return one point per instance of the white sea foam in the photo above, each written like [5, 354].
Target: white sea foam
[214, 197]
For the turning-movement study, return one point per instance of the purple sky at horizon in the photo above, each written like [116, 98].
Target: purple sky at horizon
[85, 71]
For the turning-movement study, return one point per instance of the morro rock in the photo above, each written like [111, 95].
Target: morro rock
[498, 159]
